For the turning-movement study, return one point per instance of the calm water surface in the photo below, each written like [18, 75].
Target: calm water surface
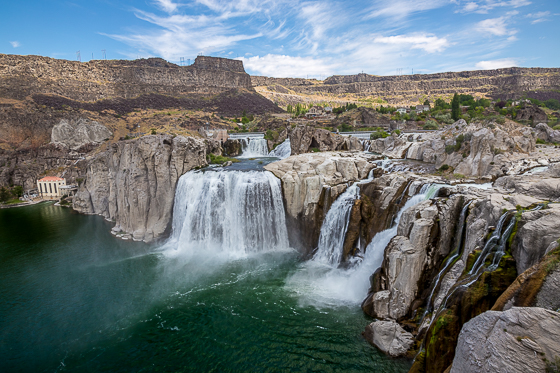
[74, 298]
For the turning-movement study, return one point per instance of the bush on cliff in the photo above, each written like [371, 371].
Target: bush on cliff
[430, 125]
[378, 135]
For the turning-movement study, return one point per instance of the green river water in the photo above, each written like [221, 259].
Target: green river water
[75, 299]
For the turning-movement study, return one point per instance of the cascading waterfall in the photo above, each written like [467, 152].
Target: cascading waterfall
[282, 151]
[253, 147]
[335, 225]
[322, 280]
[234, 211]
[456, 253]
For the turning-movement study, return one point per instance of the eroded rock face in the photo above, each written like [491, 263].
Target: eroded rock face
[532, 113]
[544, 132]
[305, 138]
[389, 337]
[75, 134]
[310, 183]
[516, 340]
[133, 183]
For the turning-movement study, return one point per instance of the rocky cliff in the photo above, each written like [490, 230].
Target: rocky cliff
[504, 83]
[133, 183]
[21, 76]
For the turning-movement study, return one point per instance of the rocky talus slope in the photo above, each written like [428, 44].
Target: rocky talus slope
[133, 183]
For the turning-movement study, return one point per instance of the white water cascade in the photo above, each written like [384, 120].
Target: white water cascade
[229, 211]
[320, 281]
[282, 151]
[253, 147]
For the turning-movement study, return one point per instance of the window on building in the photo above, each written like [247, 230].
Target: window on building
[50, 188]
[55, 188]
[41, 187]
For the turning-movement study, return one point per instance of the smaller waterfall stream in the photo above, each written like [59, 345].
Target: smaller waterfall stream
[282, 151]
[321, 280]
[253, 147]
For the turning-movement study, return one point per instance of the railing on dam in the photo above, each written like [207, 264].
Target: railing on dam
[244, 135]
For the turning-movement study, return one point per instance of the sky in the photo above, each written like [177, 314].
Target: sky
[292, 38]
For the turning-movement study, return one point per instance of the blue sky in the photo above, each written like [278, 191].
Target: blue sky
[294, 38]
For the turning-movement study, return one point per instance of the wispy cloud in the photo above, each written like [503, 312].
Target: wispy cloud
[167, 5]
[484, 6]
[539, 17]
[402, 8]
[497, 64]
[288, 66]
[15, 43]
[429, 43]
[495, 26]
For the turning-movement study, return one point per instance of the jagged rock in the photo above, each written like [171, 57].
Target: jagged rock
[536, 231]
[232, 148]
[305, 138]
[75, 134]
[543, 188]
[517, 340]
[389, 337]
[133, 182]
[544, 132]
[310, 182]
[532, 113]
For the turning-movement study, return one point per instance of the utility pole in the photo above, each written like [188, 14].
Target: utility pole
[92, 55]
[182, 61]
[78, 56]
[104, 54]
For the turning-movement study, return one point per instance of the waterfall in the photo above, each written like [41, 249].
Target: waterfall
[282, 151]
[321, 280]
[456, 253]
[335, 225]
[253, 147]
[234, 211]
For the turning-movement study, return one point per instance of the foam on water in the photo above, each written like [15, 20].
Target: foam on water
[282, 151]
[253, 147]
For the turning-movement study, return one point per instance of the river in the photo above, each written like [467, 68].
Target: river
[75, 298]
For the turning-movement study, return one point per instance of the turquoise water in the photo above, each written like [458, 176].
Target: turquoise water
[74, 298]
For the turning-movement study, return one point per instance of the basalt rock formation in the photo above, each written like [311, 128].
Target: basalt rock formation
[507, 83]
[305, 139]
[75, 134]
[310, 183]
[133, 183]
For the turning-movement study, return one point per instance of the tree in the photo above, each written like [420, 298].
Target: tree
[4, 194]
[455, 109]
[427, 102]
[17, 191]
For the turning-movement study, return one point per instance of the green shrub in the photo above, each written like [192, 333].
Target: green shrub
[444, 167]
[501, 120]
[154, 131]
[315, 150]
[398, 132]
[345, 127]
[430, 125]
[219, 159]
[556, 127]
[450, 149]
[541, 141]
[378, 135]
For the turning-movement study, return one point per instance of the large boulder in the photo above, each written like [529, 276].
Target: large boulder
[532, 113]
[77, 133]
[519, 340]
[389, 337]
[305, 139]
[544, 132]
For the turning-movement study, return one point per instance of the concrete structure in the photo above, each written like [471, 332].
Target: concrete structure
[315, 111]
[401, 110]
[49, 187]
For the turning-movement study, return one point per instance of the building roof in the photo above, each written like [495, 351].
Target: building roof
[51, 178]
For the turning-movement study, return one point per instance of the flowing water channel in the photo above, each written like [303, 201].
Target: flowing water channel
[223, 293]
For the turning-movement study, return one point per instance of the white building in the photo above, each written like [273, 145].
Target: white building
[401, 110]
[49, 187]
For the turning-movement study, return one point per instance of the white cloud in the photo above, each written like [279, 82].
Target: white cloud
[484, 6]
[167, 5]
[495, 26]
[15, 43]
[539, 17]
[403, 8]
[497, 64]
[429, 43]
[282, 66]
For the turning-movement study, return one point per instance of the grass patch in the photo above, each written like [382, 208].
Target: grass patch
[219, 159]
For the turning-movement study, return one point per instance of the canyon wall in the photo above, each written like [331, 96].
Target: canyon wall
[21, 76]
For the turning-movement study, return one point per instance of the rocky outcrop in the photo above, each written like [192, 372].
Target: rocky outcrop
[133, 183]
[532, 113]
[547, 134]
[75, 134]
[310, 183]
[517, 340]
[389, 337]
[304, 139]
[507, 83]
[21, 76]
